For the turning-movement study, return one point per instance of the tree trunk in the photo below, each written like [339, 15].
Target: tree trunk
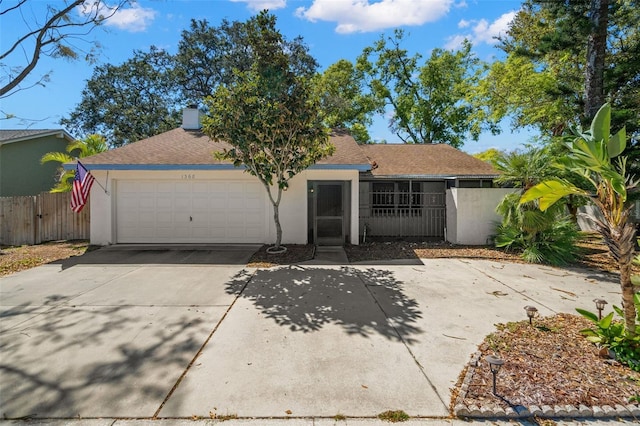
[276, 214]
[626, 249]
[627, 299]
[276, 219]
[596, 50]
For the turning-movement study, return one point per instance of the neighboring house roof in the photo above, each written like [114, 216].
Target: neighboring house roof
[424, 160]
[179, 147]
[10, 136]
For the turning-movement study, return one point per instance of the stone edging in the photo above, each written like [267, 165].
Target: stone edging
[545, 411]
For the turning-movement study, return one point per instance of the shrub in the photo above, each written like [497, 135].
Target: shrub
[613, 335]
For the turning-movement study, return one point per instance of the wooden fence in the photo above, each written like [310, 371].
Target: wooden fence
[40, 218]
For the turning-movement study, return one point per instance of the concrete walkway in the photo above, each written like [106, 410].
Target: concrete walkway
[160, 337]
[328, 255]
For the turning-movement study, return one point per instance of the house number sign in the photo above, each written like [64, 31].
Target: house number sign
[188, 177]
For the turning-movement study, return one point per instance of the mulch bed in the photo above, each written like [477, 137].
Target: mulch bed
[15, 259]
[550, 363]
[295, 253]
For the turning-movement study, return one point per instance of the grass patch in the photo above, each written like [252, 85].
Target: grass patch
[21, 264]
[339, 417]
[394, 416]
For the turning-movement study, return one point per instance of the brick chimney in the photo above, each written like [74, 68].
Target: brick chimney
[191, 118]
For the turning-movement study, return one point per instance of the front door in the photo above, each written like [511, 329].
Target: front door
[329, 213]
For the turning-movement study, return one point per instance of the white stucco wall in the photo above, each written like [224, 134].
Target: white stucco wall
[471, 214]
[293, 207]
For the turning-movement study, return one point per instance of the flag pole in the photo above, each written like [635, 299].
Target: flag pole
[98, 182]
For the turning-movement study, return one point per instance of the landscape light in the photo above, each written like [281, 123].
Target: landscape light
[600, 306]
[495, 363]
[532, 312]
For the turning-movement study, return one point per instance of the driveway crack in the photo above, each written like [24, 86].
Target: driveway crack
[206, 342]
[404, 342]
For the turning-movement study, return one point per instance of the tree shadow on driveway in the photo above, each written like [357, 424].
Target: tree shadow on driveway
[305, 299]
[96, 361]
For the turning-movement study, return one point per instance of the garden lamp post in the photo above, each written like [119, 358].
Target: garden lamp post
[532, 312]
[495, 363]
[600, 306]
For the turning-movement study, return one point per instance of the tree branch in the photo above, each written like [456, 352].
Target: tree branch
[42, 39]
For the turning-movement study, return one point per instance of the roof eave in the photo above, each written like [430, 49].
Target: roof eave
[61, 133]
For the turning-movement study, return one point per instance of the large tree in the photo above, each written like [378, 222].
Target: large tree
[345, 103]
[428, 100]
[554, 73]
[55, 34]
[594, 95]
[143, 96]
[269, 115]
[129, 102]
[207, 57]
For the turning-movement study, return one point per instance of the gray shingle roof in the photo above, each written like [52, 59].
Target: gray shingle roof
[424, 160]
[9, 136]
[180, 147]
[189, 147]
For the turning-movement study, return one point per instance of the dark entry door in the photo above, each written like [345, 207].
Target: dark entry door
[329, 213]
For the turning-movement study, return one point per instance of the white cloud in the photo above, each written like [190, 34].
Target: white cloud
[133, 19]
[463, 23]
[482, 31]
[364, 16]
[455, 42]
[258, 5]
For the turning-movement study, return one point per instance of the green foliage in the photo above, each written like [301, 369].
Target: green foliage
[590, 159]
[523, 169]
[429, 100]
[530, 96]
[541, 82]
[490, 155]
[92, 144]
[540, 236]
[129, 102]
[612, 334]
[269, 115]
[344, 103]
[209, 56]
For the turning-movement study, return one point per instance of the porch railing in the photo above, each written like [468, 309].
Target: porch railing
[402, 214]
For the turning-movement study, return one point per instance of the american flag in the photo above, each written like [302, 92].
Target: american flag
[82, 182]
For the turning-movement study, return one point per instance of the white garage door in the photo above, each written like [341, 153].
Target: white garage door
[190, 212]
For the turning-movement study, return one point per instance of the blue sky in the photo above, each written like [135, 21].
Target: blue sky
[333, 29]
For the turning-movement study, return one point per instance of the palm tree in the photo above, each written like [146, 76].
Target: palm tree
[590, 157]
[541, 237]
[92, 144]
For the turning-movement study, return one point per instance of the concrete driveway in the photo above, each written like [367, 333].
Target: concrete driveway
[180, 332]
